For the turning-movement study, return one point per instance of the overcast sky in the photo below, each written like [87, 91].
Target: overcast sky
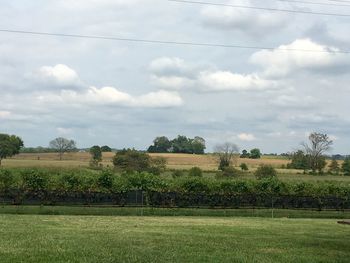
[125, 94]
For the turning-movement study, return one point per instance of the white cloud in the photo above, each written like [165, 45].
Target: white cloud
[277, 63]
[248, 137]
[60, 75]
[228, 81]
[113, 97]
[175, 73]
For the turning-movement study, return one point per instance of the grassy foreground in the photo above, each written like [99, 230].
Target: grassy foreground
[39, 238]
[149, 211]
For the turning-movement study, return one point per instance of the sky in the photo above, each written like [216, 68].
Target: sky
[124, 94]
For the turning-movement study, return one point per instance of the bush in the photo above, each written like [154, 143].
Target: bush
[105, 180]
[6, 179]
[34, 180]
[177, 173]
[244, 167]
[230, 172]
[265, 171]
[195, 172]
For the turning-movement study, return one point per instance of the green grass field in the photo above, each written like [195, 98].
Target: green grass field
[40, 238]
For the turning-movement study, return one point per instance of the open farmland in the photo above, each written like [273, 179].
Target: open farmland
[35, 238]
[174, 161]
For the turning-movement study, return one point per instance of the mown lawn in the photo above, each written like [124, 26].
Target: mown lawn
[45, 238]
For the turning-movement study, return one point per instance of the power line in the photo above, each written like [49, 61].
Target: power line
[165, 42]
[260, 8]
[312, 3]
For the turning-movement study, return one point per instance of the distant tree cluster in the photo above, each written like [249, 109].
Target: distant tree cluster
[253, 154]
[181, 144]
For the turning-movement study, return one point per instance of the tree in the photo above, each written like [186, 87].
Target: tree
[96, 155]
[299, 161]
[132, 160]
[255, 154]
[346, 166]
[318, 145]
[265, 171]
[198, 145]
[106, 149]
[181, 144]
[62, 145]
[226, 153]
[245, 154]
[160, 145]
[334, 167]
[9, 146]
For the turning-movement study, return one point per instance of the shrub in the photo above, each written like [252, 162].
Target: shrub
[6, 179]
[230, 172]
[244, 167]
[105, 179]
[177, 173]
[346, 167]
[195, 172]
[265, 171]
[34, 180]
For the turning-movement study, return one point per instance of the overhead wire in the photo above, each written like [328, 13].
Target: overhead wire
[167, 42]
[260, 8]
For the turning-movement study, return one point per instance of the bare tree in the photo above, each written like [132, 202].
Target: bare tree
[226, 153]
[62, 145]
[318, 145]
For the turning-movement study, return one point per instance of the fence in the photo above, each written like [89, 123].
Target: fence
[174, 199]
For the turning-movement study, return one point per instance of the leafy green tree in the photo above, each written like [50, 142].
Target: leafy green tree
[334, 167]
[132, 160]
[198, 145]
[160, 145]
[255, 153]
[245, 154]
[62, 145]
[96, 155]
[299, 161]
[181, 144]
[10, 145]
[346, 167]
[265, 171]
[106, 149]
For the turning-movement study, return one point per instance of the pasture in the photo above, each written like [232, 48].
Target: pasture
[39, 238]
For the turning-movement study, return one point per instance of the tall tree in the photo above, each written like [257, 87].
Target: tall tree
[96, 155]
[9, 145]
[62, 145]
[255, 154]
[317, 146]
[160, 145]
[226, 153]
[198, 145]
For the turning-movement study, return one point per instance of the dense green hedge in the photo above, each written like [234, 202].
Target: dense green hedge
[52, 186]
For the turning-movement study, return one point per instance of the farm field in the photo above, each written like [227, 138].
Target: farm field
[174, 161]
[207, 163]
[40, 238]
